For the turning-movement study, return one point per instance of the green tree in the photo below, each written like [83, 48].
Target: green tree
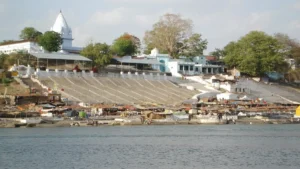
[136, 41]
[174, 34]
[50, 41]
[219, 53]
[30, 33]
[3, 58]
[193, 46]
[125, 45]
[99, 53]
[295, 53]
[291, 47]
[20, 57]
[255, 54]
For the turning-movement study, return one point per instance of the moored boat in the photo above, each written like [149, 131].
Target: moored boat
[31, 121]
[210, 119]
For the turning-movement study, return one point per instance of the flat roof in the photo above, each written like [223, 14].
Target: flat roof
[60, 56]
[138, 61]
[11, 42]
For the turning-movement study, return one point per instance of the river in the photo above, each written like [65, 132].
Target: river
[165, 147]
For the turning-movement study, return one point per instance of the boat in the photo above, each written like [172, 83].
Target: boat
[180, 117]
[210, 119]
[31, 121]
[52, 119]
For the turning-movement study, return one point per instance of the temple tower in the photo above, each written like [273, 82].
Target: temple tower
[61, 26]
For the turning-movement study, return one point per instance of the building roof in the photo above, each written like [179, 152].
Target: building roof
[14, 42]
[60, 56]
[138, 61]
[211, 58]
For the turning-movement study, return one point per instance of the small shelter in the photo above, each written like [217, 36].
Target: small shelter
[246, 98]
[59, 59]
[227, 96]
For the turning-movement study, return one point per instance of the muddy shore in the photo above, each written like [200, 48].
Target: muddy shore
[85, 123]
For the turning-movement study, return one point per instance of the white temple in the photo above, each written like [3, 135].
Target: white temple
[60, 26]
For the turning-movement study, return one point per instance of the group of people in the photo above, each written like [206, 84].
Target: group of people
[94, 69]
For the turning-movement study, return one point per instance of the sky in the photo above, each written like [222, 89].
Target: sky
[218, 21]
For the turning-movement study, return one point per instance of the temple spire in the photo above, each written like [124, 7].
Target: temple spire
[60, 26]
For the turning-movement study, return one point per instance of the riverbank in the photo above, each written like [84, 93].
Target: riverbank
[136, 121]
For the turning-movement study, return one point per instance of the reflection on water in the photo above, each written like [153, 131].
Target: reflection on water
[224, 146]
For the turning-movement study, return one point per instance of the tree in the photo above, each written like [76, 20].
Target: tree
[3, 58]
[20, 57]
[99, 53]
[174, 34]
[136, 41]
[219, 53]
[193, 46]
[125, 45]
[30, 33]
[291, 48]
[50, 41]
[255, 54]
[286, 42]
[295, 53]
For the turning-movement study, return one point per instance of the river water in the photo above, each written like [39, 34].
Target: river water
[166, 147]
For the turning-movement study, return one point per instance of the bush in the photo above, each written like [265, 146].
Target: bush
[6, 81]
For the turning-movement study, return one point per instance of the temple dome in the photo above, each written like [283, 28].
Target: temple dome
[61, 26]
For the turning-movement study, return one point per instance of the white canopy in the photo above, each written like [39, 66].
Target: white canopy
[138, 61]
[227, 96]
[60, 56]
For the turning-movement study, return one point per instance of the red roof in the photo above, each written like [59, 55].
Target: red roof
[211, 58]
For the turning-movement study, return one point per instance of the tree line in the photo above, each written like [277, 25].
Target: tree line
[254, 53]
[172, 34]
[50, 40]
[257, 53]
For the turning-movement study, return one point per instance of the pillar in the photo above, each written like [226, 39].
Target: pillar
[190, 70]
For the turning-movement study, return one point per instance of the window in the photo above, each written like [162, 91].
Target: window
[180, 67]
[186, 67]
[196, 69]
[192, 68]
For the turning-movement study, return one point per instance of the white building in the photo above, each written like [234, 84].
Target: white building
[60, 26]
[184, 66]
[227, 96]
[155, 53]
[24, 45]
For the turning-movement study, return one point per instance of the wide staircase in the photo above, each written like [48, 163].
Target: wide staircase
[91, 89]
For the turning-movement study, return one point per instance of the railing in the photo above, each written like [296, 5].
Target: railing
[146, 76]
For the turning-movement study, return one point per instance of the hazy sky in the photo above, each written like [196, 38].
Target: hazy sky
[219, 21]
